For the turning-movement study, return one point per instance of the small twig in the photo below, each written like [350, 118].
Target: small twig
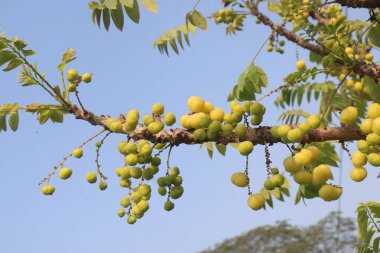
[168, 159]
[290, 149]
[267, 161]
[344, 147]
[47, 179]
[246, 172]
[97, 157]
[79, 101]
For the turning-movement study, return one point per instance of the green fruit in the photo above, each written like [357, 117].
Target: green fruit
[116, 126]
[275, 171]
[227, 130]
[283, 130]
[373, 139]
[358, 159]
[86, 77]
[136, 196]
[374, 159]
[156, 127]
[211, 135]
[71, 87]
[102, 185]
[147, 119]
[143, 205]
[72, 75]
[77, 153]
[169, 119]
[133, 113]
[215, 126]
[65, 173]
[148, 173]
[131, 219]
[146, 150]
[278, 180]
[200, 134]
[245, 147]
[158, 109]
[130, 148]
[256, 120]
[256, 201]
[125, 202]
[145, 189]
[162, 191]
[175, 171]
[98, 144]
[241, 130]
[178, 180]
[121, 213]
[48, 189]
[205, 121]
[156, 161]
[121, 147]
[131, 159]
[329, 193]
[240, 179]
[257, 109]
[136, 172]
[125, 183]
[321, 174]
[91, 177]
[314, 121]
[373, 110]
[349, 115]
[161, 181]
[247, 106]
[291, 166]
[269, 185]
[305, 128]
[295, 135]
[274, 131]
[168, 206]
[366, 126]
[169, 179]
[303, 177]
[363, 146]
[176, 192]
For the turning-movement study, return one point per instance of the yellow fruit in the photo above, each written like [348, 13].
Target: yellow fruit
[241, 130]
[156, 127]
[131, 219]
[374, 159]
[207, 107]
[48, 189]
[125, 202]
[291, 166]
[116, 126]
[158, 109]
[257, 109]
[131, 159]
[358, 174]
[314, 121]
[349, 115]
[363, 146]
[373, 139]
[301, 65]
[256, 201]
[72, 75]
[366, 126]
[283, 130]
[240, 179]
[376, 125]
[102, 185]
[303, 177]
[359, 159]
[121, 213]
[86, 77]
[315, 151]
[305, 128]
[329, 193]
[91, 177]
[195, 104]
[200, 134]
[133, 113]
[195, 120]
[350, 83]
[373, 110]
[358, 86]
[77, 153]
[349, 50]
[321, 174]
[304, 157]
[65, 173]
[278, 180]
[186, 121]
[217, 114]
[295, 135]
[245, 147]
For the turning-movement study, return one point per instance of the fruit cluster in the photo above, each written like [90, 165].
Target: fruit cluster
[226, 16]
[75, 79]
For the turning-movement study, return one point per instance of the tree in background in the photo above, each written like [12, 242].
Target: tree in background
[349, 110]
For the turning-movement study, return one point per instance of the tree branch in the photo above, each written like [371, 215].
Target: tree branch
[259, 135]
[359, 3]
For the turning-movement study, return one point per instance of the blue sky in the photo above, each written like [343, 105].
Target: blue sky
[129, 73]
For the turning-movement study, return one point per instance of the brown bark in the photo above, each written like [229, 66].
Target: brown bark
[259, 135]
[360, 3]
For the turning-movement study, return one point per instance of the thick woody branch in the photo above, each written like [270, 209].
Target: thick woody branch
[369, 4]
[259, 135]
[360, 67]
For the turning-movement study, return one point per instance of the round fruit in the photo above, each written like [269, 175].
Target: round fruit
[146, 150]
[291, 166]
[131, 219]
[176, 192]
[358, 174]
[359, 159]
[256, 201]
[116, 126]
[175, 171]
[136, 196]
[136, 172]
[329, 193]
[217, 114]
[257, 109]
[376, 125]
[227, 130]
[305, 128]
[169, 119]
[283, 130]
[86, 77]
[102, 185]
[207, 107]
[131, 159]
[240, 179]
[71, 87]
[121, 213]
[48, 189]
[304, 157]
[321, 174]
[241, 130]
[245, 147]
[145, 189]
[125, 202]
[314, 121]
[269, 185]
[168, 206]
[91, 177]
[158, 109]
[301, 65]
[374, 159]
[162, 191]
[256, 120]
[274, 131]
[65, 173]
[363, 146]
[195, 104]
[278, 180]
[349, 115]
[373, 139]
[155, 127]
[77, 153]
[373, 110]
[295, 135]
[275, 171]
[366, 126]
[195, 120]
[72, 75]
[303, 177]
[147, 119]
[200, 134]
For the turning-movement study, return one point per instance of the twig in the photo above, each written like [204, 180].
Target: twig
[97, 157]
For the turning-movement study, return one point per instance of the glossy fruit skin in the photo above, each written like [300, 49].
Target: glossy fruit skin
[125, 202]
[65, 173]
[269, 185]
[295, 135]
[303, 177]
[291, 166]
[366, 126]
[87, 77]
[158, 109]
[321, 174]
[278, 180]
[217, 114]
[102, 185]
[314, 121]
[195, 104]
[240, 179]
[283, 130]
[373, 139]
[301, 65]
[131, 219]
[374, 159]
[376, 126]
[72, 75]
[359, 159]
[349, 115]
[91, 177]
[256, 201]
[168, 206]
[169, 119]
[48, 189]
[77, 153]
[329, 193]
[71, 87]
[373, 110]
[358, 174]
[245, 147]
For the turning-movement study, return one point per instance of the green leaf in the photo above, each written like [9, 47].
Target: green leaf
[221, 148]
[197, 19]
[14, 63]
[210, 149]
[362, 219]
[106, 18]
[13, 120]
[376, 245]
[277, 194]
[67, 57]
[150, 5]
[274, 7]
[328, 154]
[374, 35]
[3, 122]
[110, 4]
[118, 17]
[128, 3]
[28, 52]
[6, 56]
[372, 88]
[133, 12]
